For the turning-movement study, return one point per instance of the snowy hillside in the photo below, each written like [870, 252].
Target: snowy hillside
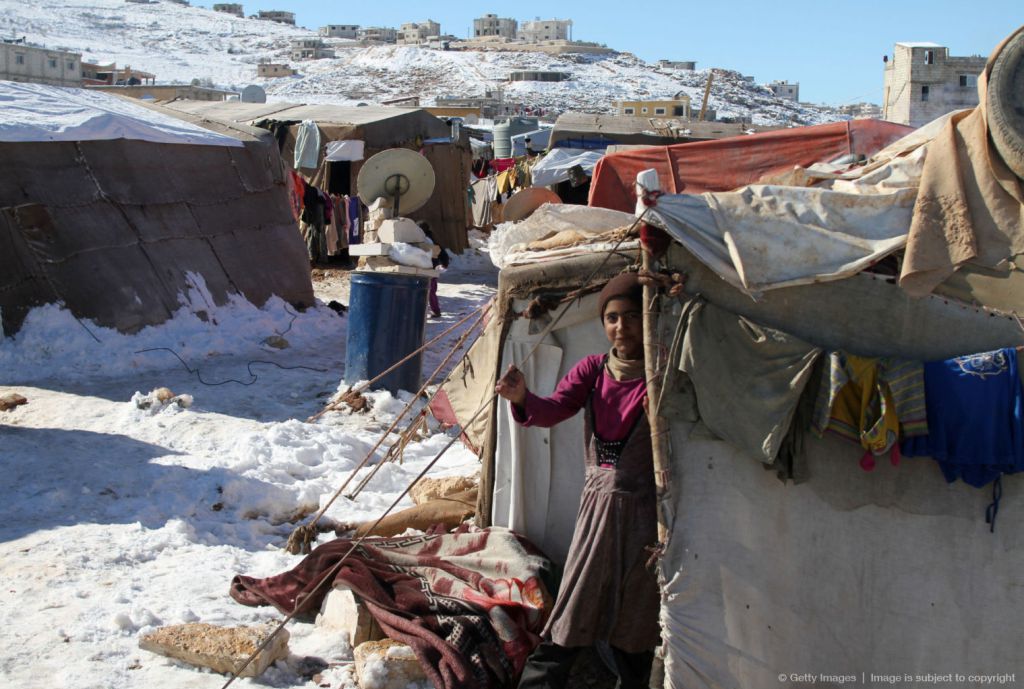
[180, 43]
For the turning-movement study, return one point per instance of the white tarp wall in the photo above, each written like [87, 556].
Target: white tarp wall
[554, 167]
[539, 471]
[892, 572]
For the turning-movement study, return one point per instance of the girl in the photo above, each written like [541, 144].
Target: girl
[607, 592]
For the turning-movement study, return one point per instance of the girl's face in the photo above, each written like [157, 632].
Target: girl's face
[624, 325]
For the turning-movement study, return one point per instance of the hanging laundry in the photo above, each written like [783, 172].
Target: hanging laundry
[504, 181]
[296, 190]
[502, 164]
[872, 402]
[483, 193]
[313, 224]
[354, 229]
[975, 424]
[338, 228]
[748, 378]
[307, 145]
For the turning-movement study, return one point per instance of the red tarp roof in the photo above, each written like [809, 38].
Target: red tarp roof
[726, 164]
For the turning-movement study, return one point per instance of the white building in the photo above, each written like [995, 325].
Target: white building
[340, 31]
[539, 30]
[784, 89]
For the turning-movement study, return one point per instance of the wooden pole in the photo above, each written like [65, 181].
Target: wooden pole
[659, 428]
[707, 93]
[647, 184]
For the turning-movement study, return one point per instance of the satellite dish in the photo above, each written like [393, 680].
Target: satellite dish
[524, 202]
[399, 174]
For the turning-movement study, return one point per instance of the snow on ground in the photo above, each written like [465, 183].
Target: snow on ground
[180, 43]
[117, 519]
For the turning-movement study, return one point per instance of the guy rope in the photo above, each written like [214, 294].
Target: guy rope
[303, 536]
[333, 571]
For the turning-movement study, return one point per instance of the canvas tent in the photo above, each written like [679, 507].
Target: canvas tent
[115, 208]
[824, 580]
[579, 130]
[379, 128]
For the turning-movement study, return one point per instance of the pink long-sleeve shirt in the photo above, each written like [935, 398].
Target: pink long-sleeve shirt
[616, 404]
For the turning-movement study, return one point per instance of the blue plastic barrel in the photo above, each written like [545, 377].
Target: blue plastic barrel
[386, 320]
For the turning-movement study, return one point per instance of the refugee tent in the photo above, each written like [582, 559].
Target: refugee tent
[379, 128]
[554, 167]
[579, 130]
[728, 163]
[115, 208]
[834, 575]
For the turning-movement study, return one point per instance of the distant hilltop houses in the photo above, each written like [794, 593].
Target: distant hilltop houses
[489, 29]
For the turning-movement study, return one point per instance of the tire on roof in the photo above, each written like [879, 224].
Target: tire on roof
[1006, 104]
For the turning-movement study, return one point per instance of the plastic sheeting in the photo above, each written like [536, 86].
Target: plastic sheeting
[538, 141]
[766, 237]
[351, 149]
[37, 112]
[727, 164]
[507, 244]
[554, 167]
[763, 237]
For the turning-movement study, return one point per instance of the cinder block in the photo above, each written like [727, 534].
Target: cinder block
[386, 664]
[222, 649]
[343, 610]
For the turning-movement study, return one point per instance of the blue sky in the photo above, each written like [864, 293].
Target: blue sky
[834, 49]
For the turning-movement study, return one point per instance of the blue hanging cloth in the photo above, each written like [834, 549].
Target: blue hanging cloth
[975, 421]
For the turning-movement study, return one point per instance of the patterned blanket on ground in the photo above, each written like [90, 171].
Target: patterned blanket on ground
[470, 604]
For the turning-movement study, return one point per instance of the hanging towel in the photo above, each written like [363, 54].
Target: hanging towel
[307, 145]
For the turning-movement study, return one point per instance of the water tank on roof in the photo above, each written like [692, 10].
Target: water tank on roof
[504, 131]
[253, 94]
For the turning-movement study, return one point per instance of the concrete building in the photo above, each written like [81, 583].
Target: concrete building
[539, 30]
[415, 33]
[20, 61]
[377, 34]
[309, 49]
[340, 31]
[490, 106]
[862, 111]
[279, 16]
[493, 25]
[784, 89]
[273, 69]
[167, 92]
[110, 75]
[675, 107]
[689, 65]
[533, 75]
[922, 82]
[229, 8]
[403, 102]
